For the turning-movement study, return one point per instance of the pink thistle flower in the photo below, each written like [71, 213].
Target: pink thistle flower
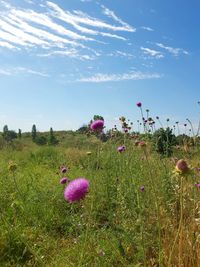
[64, 180]
[121, 148]
[138, 104]
[181, 166]
[142, 188]
[63, 169]
[142, 143]
[76, 189]
[97, 125]
[197, 185]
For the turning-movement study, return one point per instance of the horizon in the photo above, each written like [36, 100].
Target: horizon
[63, 62]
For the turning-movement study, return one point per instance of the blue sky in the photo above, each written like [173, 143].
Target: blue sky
[62, 61]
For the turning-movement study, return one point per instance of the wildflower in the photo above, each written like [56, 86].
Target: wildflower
[101, 253]
[137, 143]
[138, 104]
[12, 166]
[63, 169]
[142, 143]
[142, 188]
[197, 185]
[97, 125]
[181, 166]
[76, 189]
[63, 180]
[121, 148]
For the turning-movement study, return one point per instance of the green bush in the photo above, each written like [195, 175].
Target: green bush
[163, 141]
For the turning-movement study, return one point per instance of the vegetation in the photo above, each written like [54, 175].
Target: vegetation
[138, 211]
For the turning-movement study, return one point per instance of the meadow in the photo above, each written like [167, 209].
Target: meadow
[139, 211]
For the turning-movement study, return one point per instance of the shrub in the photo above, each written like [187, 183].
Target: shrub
[163, 140]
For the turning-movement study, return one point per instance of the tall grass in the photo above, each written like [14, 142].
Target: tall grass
[117, 224]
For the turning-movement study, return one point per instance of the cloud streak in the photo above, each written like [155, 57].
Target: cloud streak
[152, 53]
[58, 30]
[174, 51]
[136, 75]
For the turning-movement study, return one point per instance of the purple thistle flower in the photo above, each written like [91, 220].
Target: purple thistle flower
[142, 188]
[138, 104]
[97, 125]
[63, 169]
[197, 185]
[64, 180]
[121, 148]
[76, 189]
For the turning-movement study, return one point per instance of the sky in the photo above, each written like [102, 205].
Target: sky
[64, 61]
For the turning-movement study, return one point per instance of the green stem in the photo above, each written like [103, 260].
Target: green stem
[180, 223]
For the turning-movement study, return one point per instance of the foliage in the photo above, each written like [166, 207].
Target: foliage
[9, 135]
[52, 139]
[163, 141]
[40, 140]
[34, 133]
[19, 133]
[98, 117]
[117, 224]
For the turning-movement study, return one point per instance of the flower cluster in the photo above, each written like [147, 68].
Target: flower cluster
[75, 189]
[121, 149]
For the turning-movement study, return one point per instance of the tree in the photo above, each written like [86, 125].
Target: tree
[52, 139]
[163, 140]
[40, 140]
[83, 129]
[5, 129]
[8, 135]
[19, 133]
[34, 133]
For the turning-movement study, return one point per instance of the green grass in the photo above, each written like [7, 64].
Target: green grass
[115, 225]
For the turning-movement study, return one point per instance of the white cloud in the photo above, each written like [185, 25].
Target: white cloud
[136, 75]
[151, 52]
[18, 33]
[56, 29]
[119, 53]
[70, 53]
[112, 15]
[44, 20]
[79, 17]
[7, 45]
[22, 71]
[54, 40]
[172, 50]
[5, 72]
[147, 29]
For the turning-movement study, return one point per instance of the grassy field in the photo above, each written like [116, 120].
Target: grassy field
[117, 224]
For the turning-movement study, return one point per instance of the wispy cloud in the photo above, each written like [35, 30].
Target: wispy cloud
[57, 30]
[112, 15]
[70, 53]
[172, 50]
[5, 72]
[147, 28]
[22, 71]
[78, 18]
[7, 45]
[151, 52]
[119, 53]
[136, 75]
